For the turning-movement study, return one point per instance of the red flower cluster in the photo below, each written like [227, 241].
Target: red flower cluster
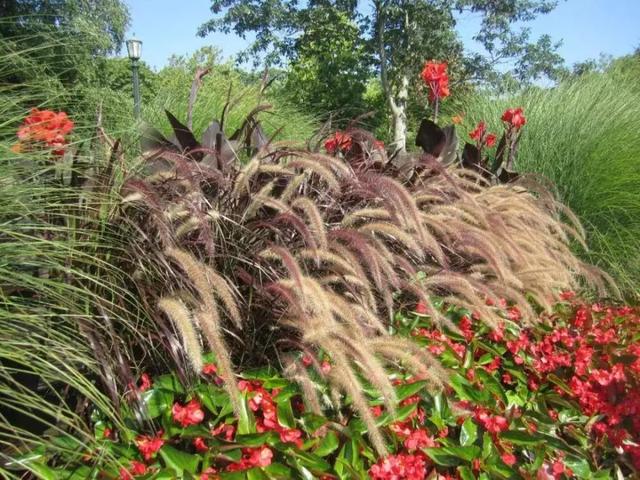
[482, 138]
[439, 342]
[492, 423]
[149, 446]
[598, 353]
[435, 76]
[264, 407]
[338, 142]
[44, 127]
[403, 466]
[252, 457]
[514, 117]
[226, 429]
[136, 468]
[189, 414]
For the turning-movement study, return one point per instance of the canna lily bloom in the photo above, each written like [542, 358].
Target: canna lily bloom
[436, 78]
[338, 142]
[478, 132]
[514, 117]
[190, 414]
[482, 138]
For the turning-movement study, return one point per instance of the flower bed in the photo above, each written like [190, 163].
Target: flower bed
[558, 400]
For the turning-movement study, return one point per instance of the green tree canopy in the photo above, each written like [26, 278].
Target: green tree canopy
[396, 35]
[61, 37]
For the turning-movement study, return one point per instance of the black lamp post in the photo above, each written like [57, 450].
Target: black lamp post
[134, 48]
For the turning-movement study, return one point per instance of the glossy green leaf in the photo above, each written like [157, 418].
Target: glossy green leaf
[406, 390]
[246, 420]
[256, 474]
[468, 432]
[328, 445]
[466, 473]
[440, 457]
[256, 439]
[519, 437]
[157, 402]
[178, 460]
[492, 384]
[285, 414]
[312, 422]
[168, 382]
[278, 471]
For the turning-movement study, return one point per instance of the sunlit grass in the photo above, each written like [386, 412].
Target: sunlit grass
[583, 135]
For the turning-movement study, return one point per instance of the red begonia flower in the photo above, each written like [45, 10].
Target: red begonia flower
[189, 414]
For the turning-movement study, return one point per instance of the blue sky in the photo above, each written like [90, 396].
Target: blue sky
[587, 28]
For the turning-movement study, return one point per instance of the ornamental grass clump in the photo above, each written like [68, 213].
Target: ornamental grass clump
[298, 252]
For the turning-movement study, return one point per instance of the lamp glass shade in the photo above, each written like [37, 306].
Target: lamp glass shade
[134, 48]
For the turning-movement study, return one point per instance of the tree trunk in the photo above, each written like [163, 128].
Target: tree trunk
[399, 115]
[397, 102]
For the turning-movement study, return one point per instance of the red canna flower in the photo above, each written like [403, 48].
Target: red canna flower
[436, 78]
[138, 468]
[567, 295]
[148, 446]
[307, 360]
[419, 439]
[478, 132]
[514, 117]
[338, 142]
[482, 137]
[190, 414]
[325, 367]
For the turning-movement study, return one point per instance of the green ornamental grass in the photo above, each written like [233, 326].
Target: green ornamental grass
[583, 136]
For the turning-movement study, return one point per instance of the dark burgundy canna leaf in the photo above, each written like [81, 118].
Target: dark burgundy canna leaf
[152, 139]
[186, 140]
[431, 138]
[506, 176]
[449, 151]
[258, 138]
[471, 157]
[210, 134]
[500, 151]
